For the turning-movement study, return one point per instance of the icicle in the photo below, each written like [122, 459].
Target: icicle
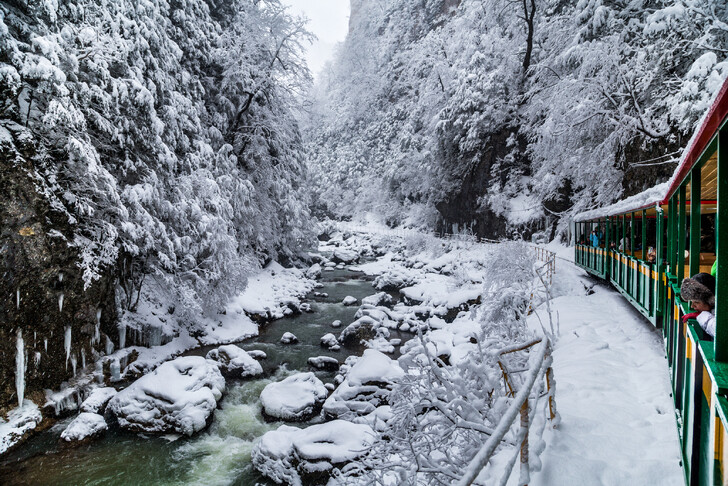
[20, 368]
[60, 302]
[36, 359]
[109, 345]
[60, 277]
[97, 331]
[67, 344]
[122, 336]
[73, 364]
[115, 369]
[17, 298]
[35, 338]
[45, 344]
[83, 359]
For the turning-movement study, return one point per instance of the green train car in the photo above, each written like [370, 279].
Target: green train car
[644, 246]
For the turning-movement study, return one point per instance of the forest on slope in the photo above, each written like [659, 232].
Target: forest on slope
[505, 117]
[149, 150]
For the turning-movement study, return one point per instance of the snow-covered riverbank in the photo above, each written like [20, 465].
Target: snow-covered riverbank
[464, 301]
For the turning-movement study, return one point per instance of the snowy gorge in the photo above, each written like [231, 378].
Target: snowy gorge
[210, 261]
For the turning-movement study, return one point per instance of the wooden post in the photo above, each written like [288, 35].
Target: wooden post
[721, 228]
[524, 444]
[671, 209]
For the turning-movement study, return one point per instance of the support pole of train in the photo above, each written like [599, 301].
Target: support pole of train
[695, 205]
[631, 234]
[670, 235]
[681, 235]
[721, 301]
[644, 235]
[607, 246]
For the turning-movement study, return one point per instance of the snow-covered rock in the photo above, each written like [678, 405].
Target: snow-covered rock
[296, 398]
[393, 281]
[366, 386]
[84, 427]
[324, 363]
[360, 330]
[294, 456]
[289, 338]
[234, 361]
[336, 323]
[314, 271]
[20, 422]
[349, 300]
[329, 341]
[305, 307]
[98, 399]
[257, 354]
[179, 396]
[378, 299]
[342, 255]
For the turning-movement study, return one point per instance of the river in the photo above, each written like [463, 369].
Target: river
[221, 454]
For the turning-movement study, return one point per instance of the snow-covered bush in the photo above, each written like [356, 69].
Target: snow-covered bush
[458, 382]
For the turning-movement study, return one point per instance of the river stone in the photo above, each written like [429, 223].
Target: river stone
[336, 323]
[326, 363]
[235, 362]
[349, 300]
[289, 338]
[378, 299]
[296, 398]
[345, 256]
[294, 456]
[329, 341]
[360, 330]
[257, 354]
[84, 428]
[366, 386]
[179, 396]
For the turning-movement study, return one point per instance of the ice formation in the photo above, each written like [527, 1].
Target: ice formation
[67, 343]
[20, 368]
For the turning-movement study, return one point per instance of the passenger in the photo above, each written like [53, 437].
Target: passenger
[624, 244]
[700, 291]
[594, 239]
[651, 255]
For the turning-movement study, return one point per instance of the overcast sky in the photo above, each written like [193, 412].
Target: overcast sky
[329, 21]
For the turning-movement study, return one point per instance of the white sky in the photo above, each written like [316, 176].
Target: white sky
[329, 21]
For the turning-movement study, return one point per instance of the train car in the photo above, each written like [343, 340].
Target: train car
[645, 246]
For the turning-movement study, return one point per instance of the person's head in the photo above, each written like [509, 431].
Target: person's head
[700, 291]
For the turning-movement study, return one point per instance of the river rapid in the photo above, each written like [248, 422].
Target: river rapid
[221, 454]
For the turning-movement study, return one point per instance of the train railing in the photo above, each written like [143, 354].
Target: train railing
[525, 404]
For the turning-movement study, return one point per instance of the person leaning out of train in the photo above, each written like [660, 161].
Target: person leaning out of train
[594, 239]
[700, 291]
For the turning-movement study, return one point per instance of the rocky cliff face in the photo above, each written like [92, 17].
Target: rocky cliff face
[49, 324]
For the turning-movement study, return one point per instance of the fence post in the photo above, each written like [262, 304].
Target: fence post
[525, 472]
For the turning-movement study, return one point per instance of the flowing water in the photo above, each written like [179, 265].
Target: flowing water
[221, 454]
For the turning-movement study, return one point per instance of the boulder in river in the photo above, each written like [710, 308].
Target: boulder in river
[179, 396]
[257, 354]
[345, 256]
[378, 299]
[360, 330]
[235, 362]
[84, 428]
[294, 456]
[324, 363]
[349, 300]
[329, 341]
[296, 398]
[289, 338]
[366, 386]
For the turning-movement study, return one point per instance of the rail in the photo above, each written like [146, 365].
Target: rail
[525, 404]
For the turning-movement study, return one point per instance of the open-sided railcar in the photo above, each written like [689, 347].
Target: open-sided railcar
[684, 221]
